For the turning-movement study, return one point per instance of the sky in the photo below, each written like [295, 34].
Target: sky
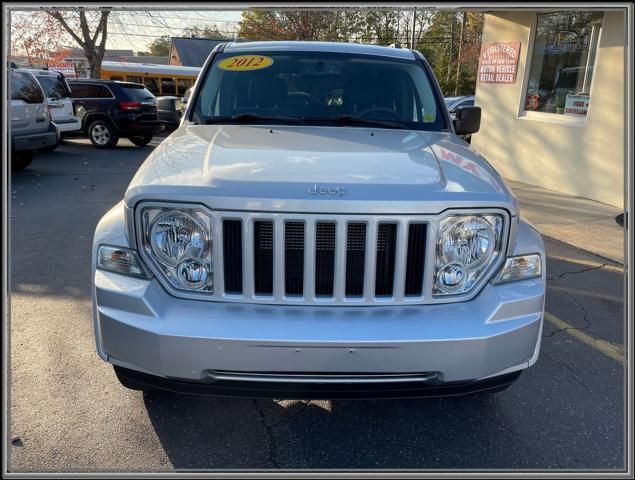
[137, 32]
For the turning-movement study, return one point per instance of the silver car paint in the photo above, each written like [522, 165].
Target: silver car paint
[139, 325]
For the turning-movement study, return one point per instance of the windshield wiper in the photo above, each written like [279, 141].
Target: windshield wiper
[355, 120]
[252, 117]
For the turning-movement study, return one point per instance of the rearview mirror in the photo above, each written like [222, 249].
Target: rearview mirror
[467, 120]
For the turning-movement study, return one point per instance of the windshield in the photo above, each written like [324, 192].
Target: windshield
[318, 88]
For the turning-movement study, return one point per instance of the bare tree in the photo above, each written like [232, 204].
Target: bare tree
[93, 43]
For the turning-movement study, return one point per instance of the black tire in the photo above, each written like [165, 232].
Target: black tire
[102, 134]
[21, 160]
[141, 141]
[130, 383]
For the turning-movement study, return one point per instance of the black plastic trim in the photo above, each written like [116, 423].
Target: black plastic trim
[282, 390]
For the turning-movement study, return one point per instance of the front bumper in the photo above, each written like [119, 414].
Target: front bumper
[316, 391]
[140, 327]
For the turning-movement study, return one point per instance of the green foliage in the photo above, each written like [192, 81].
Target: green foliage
[160, 47]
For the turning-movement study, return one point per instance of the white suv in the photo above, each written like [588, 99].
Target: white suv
[58, 97]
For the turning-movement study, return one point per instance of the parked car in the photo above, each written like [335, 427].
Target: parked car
[169, 111]
[31, 125]
[454, 103]
[58, 97]
[184, 99]
[348, 245]
[110, 110]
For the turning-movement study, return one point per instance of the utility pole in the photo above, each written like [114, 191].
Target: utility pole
[414, 22]
[458, 60]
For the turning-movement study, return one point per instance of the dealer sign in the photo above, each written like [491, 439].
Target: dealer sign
[498, 62]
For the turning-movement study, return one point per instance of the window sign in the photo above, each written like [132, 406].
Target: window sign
[561, 69]
[498, 62]
[576, 105]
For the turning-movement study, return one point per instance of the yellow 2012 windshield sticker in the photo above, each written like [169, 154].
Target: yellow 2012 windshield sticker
[243, 63]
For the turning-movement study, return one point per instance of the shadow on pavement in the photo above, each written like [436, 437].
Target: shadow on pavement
[207, 432]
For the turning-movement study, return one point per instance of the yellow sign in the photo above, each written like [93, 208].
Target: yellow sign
[242, 63]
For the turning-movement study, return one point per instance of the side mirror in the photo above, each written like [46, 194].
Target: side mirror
[467, 120]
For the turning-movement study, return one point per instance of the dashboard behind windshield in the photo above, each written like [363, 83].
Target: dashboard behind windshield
[317, 88]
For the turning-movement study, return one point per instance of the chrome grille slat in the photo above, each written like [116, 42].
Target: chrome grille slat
[248, 259]
[278, 259]
[371, 259]
[400, 261]
[309, 260]
[340, 260]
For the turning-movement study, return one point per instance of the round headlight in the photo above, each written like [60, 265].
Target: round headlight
[176, 235]
[451, 277]
[192, 273]
[469, 241]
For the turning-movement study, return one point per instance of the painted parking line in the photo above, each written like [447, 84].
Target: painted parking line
[611, 350]
[612, 266]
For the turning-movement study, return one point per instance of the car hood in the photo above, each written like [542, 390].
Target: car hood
[318, 169]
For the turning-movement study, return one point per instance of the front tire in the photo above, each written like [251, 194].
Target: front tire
[21, 160]
[141, 141]
[102, 134]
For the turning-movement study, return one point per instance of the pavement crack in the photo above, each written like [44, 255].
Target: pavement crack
[590, 269]
[271, 441]
[269, 428]
[585, 316]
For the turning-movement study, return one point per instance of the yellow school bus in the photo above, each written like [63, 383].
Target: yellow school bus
[159, 79]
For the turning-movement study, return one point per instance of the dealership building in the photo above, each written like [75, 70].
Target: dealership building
[551, 88]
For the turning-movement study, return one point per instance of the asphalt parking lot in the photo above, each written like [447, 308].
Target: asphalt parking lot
[68, 412]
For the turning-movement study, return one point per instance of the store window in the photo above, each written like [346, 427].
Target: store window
[562, 62]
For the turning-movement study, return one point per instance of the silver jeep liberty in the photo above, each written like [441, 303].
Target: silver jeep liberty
[316, 228]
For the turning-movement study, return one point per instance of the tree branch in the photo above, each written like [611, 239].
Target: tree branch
[102, 25]
[58, 16]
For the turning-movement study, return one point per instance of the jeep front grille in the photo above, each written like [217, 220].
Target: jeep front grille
[315, 259]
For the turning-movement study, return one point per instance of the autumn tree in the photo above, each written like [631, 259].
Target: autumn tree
[43, 31]
[93, 43]
[36, 36]
[456, 74]
[305, 25]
